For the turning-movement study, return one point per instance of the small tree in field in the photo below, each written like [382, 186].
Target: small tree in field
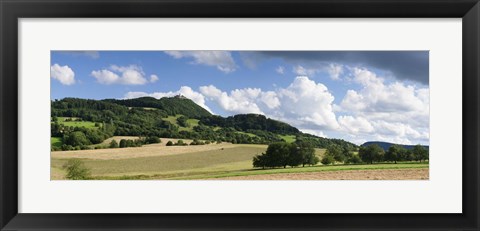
[327, 159]
[169, 143]
[76, 170]
[113, 144]
[123, 143]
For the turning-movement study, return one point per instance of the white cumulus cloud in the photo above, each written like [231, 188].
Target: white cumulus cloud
[64, 74]
[126, 75]
[153, 78]
[222, 60]
[303, 103]
[280, 70]
[394, 112]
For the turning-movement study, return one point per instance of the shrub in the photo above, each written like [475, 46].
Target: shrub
[113, 144]
[169, 143]
[152, 140]
[354, 159]
[123, 143]
[76, 170]
[327, 159]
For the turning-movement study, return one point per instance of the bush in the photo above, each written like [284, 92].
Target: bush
[327, 159]
[355, 159]
[113, 144]
[152, 140]
[169, 143]
[76, 138]
[123, 143]
[181, 143]
[76, 170]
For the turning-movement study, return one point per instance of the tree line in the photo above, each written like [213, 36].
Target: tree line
[282, 154]
[374, 154]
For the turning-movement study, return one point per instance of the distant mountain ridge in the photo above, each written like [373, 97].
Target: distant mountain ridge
[387, 145]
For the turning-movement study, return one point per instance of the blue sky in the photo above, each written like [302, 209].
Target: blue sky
[354, 95]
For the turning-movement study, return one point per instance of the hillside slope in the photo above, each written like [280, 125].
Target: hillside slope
[171, 105]
[148, 116]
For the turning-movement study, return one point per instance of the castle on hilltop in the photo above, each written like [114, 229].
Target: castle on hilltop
[180, 96]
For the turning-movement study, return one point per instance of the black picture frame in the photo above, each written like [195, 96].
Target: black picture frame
[12, 10]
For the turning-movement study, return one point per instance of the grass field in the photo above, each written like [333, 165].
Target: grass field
[86, 124]
[56, 141]
[248, 134]
[191, 123]
[288, 138]
[214, 161]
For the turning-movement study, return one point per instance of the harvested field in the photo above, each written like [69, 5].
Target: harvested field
[144, 151]
[384, 174]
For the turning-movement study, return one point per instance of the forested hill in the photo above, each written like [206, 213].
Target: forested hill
[385, 145]
[244, 122]
[172, 117]
[171, 105]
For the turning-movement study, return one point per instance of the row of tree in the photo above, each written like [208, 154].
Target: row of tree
[374, 154]
[125, 143]
[284, 154]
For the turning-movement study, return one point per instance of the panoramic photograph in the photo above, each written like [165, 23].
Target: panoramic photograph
[239, 115]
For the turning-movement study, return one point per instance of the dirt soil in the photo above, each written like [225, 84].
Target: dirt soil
[384, 174]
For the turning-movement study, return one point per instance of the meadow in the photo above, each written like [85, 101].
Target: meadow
[74, 123]
[212, 161]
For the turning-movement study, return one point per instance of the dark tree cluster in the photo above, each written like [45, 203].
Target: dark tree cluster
[283, 154]
[321, 142]
[374, 153]
[182, 121]
[78, 138]
[170, 105]
[125, 143]
[339, 154]
[178, 143]
[245, 122]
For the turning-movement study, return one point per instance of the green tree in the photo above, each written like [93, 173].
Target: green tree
[123, 143]
[76, 138]
[152, 140]
[419, 153]
[394, 153]
[327, 159]
[113, 144]
[354, 159]
[295, 155]
[307, 152]
[76, 170]
[336, 153]
[277, 154]
[182, 121]
[169, 143]
[371, 153]
[259, 161]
